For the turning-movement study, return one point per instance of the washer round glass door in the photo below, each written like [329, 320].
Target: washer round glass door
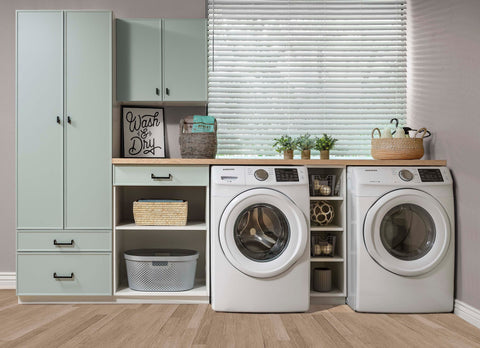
[262, 233]
[407, 232]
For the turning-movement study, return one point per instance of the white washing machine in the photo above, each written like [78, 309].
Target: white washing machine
[259, 254]
[401, 239]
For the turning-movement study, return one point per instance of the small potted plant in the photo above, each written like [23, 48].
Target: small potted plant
[304, 143]
[324, 145]
[286, 145]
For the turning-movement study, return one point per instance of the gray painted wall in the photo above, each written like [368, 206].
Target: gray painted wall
[444, 96]
[121, 9]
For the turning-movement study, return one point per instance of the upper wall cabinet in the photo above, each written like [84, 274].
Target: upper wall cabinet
[64, 115]
[161, 60]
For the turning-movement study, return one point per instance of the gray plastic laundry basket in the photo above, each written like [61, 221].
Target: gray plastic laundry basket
[161, 269]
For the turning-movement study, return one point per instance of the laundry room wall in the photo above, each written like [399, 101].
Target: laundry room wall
[121, 9]
[443, 94]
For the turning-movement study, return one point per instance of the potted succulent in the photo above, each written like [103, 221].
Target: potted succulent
[304, 143]
[286, 145]
[324, 145]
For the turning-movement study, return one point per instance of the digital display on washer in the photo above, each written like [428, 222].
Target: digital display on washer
[285, 174]
[430, 175]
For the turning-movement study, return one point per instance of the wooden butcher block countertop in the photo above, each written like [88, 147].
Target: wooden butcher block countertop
[276, 162]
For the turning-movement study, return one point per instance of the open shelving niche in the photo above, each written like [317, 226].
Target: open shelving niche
[337, 263]
[194, 235]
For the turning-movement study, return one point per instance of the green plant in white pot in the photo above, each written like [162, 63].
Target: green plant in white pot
[305, 144]
[324, 145]
[284, 144]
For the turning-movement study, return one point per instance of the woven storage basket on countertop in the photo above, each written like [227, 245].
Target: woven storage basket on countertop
[160, 213]
[397, 148]
[197, 145]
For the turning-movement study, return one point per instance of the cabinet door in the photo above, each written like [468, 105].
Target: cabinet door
[139, 59]
[39, 136]
[88, 98]
[185, 60]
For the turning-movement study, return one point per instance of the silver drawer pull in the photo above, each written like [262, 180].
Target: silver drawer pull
[63, 244]
[62, 277]
[169, 177]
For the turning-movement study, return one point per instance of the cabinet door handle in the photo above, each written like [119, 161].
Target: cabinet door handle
[63, 244]
[169, 177]
[58, 119]
[55, 276]
[167, 91]
[157, 91]
[69, 120]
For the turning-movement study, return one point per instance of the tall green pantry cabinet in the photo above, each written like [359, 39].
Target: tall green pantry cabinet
[64, 126]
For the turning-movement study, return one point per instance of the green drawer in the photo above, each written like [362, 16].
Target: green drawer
[87, 274]
[64, 241]
[158, 175]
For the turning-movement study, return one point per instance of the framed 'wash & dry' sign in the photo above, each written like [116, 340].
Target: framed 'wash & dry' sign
[143, 132]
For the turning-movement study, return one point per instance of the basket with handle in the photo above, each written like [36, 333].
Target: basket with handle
[197, 145]
[398, 148]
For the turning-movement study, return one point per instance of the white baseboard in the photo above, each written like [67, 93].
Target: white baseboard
[8, 280]
[467, 313]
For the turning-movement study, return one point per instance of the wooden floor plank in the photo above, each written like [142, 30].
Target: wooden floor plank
[170, 325]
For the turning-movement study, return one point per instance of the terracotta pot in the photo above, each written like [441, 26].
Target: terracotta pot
[288, 154]
[325, 154]
[305, 154]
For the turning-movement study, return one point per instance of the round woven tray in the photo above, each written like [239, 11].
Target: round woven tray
[398, 148]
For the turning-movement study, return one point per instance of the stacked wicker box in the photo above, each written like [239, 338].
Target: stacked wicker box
[160, 212]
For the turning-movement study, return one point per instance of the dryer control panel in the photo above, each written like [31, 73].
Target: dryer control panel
[404, 176]
[259, 176]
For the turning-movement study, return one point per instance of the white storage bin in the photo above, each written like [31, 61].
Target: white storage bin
[161, 269]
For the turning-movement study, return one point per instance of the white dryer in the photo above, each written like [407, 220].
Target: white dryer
[400, 239]
[259, 239]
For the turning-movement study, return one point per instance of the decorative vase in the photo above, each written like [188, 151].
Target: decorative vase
[325, 154]
[305, 154]
[288, 154]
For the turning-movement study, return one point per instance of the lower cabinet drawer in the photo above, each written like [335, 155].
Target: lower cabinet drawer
[63, 241]
[64, 274]
[160, 175]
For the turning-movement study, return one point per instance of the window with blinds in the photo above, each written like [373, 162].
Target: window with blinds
[291, 67]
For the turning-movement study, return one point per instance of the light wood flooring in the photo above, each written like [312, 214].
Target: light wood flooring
[144, 325]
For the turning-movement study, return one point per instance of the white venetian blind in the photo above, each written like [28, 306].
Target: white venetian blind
[290, 67]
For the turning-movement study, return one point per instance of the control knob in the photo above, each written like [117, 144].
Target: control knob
[405, 175]
[261, 174]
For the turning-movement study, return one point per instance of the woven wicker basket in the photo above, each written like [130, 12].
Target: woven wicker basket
[197, 145]
[160, 213]
[398, 148]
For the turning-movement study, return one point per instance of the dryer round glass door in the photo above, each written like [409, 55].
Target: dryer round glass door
[262, 233]
[407, 232]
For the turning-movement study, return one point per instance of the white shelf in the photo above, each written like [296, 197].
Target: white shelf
[326, 198]
[327, 228]
[199, 290]
[191, 225]
[326, 259]
[333, 293]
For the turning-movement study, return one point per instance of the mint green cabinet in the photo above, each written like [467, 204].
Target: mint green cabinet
[139, 59]
[161, 59]
[185, 59]
[64, 172]
[64, 112]
[39, 119]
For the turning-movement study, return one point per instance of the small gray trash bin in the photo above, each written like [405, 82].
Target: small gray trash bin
[161, 269]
